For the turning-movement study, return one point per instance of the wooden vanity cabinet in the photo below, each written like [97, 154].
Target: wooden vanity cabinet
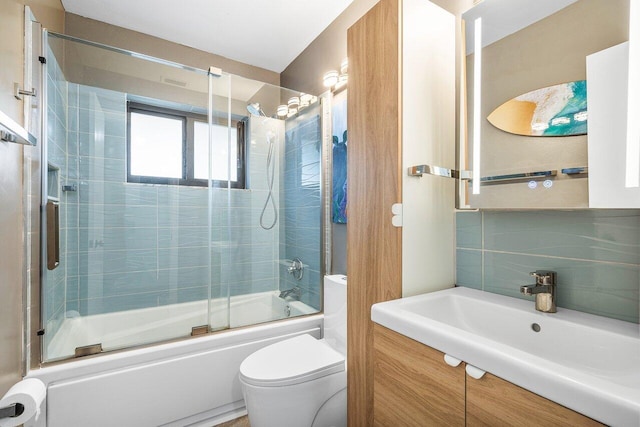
[492, 401]
[413, 386]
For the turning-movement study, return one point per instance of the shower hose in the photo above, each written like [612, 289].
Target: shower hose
[271, 164]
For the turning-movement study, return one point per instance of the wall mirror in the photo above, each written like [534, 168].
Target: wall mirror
[513, 48]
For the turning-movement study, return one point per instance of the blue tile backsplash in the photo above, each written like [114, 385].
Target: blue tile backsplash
[595, 252]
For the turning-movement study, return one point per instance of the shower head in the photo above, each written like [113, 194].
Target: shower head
[255, 109]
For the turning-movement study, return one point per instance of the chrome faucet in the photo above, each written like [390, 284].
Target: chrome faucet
[544, 290]
[295, 291]
[296, 269]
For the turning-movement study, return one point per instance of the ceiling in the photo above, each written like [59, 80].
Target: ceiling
[501, 18]
[264, 33]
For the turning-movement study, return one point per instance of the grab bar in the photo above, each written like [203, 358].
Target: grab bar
[53, 235]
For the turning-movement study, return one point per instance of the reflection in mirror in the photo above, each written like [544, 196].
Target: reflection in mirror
[528, 45]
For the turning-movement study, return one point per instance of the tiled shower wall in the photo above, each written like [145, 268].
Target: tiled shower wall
[301, 205]
[139, 245]
[596, 254]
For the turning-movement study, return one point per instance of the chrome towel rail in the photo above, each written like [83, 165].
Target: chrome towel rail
[11, 131]
[515, 177]
[439, 171]
[419, 170]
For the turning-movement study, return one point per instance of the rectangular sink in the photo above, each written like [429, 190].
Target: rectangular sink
[588, 363]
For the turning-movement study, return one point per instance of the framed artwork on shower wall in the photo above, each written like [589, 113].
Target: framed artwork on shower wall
[339, 133]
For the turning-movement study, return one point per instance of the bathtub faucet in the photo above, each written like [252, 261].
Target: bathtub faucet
[296, 269]
[293, 292]
[544, 289]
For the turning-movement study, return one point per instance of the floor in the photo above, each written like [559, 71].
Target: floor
[238, 422]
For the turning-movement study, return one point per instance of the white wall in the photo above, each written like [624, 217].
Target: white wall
[428, 137]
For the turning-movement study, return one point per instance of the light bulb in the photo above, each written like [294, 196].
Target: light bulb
[282, 110]
[293, 102]
[342, 81]
[305, 100]
[344, 66]
[330, 78]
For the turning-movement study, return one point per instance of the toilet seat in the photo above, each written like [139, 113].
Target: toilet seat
[292, 361]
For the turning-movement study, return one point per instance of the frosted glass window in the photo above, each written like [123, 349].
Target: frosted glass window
[220, 156]
[156, 146]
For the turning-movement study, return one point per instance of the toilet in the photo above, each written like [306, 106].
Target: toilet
[302, 381]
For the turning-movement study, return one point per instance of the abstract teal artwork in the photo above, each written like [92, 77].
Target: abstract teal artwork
[559, 110]
[339, 133]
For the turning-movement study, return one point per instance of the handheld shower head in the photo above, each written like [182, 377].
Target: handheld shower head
[255, 109]
[270, 136]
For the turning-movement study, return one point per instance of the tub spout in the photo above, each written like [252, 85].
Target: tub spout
[293, 292]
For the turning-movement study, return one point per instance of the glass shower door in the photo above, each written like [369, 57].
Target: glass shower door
[276, 218]
[136, 263]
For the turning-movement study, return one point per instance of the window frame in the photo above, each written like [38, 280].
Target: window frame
[188, 160]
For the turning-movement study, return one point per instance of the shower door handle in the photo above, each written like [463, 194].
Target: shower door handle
[53, 235]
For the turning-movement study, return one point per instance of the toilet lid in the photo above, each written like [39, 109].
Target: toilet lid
[292, 361]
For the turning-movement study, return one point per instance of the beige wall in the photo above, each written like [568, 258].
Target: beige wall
[330, 47]
[51, 14]
[549, 52]
[89, 29]
[325, 53]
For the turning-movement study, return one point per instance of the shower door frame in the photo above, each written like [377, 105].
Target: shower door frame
[37, 328]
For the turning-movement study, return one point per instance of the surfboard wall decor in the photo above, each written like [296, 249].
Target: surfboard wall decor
[559, 110]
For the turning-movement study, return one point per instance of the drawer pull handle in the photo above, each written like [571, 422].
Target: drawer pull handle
[474, 372]
[452, 361]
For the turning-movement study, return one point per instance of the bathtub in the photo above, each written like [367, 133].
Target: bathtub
[192, 382]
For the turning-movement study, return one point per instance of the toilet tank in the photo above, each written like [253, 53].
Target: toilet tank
[335, 312]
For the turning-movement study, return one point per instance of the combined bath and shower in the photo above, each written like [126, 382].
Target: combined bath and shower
[255, 110]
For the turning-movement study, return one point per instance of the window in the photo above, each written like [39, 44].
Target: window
[172, 147]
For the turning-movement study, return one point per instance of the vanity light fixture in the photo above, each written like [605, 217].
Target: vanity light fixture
[477, 93]
[305, 100]
[294, 102]
[334, 80]
[344, 66]
[342, 81]
[632, 176]
[330, 78]
[282, 110]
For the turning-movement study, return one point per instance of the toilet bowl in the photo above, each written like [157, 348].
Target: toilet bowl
[302, 381]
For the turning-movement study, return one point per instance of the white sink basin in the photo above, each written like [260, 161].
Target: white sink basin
[588, 363]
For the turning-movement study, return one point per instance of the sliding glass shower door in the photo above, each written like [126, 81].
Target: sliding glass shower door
[128, 200]
[176, 202]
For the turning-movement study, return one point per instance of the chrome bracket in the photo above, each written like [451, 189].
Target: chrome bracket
[199, 330]
[88, 350]
[18, 93]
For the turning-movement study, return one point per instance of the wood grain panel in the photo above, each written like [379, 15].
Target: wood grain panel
[492, 401]
[373, 244]
[413, 385]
